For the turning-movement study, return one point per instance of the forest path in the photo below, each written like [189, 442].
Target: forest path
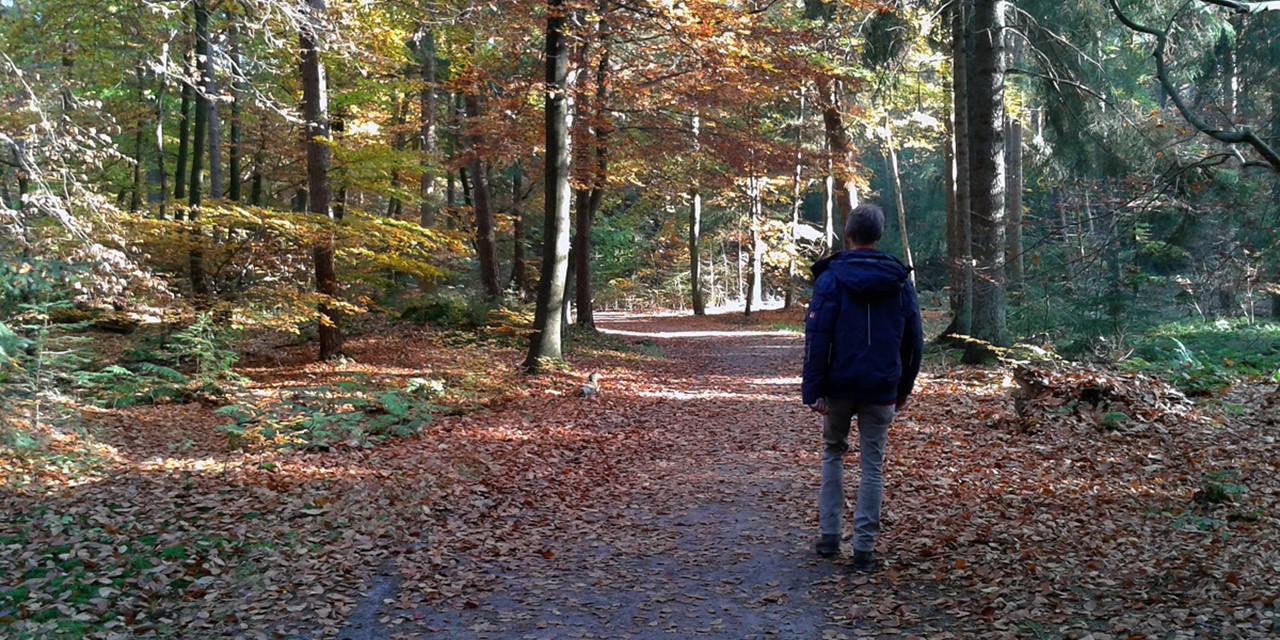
[680, 503]
[705, 532]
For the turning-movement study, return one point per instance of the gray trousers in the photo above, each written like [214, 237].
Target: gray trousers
[873, 432]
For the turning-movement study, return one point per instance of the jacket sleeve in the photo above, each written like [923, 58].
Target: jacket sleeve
[819, 327]
[912, 348]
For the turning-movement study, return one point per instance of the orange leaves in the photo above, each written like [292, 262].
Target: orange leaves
[680, 501]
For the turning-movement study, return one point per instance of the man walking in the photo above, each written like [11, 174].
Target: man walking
[862, 353]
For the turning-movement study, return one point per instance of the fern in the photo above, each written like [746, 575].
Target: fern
[162, 372]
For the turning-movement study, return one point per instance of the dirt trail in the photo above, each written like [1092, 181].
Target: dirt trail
[700, 538]
[680, 504]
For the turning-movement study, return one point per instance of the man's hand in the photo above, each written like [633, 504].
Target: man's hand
[820, 406]
[900, 404]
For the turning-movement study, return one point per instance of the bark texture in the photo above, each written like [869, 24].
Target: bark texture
[199, 284]
[236, 151]
[1013, 258]
[315, 115]
[545, 342]
[519, 263]
[959, 238]
[486, 241]
[184, 136]
[987, 177]
[426, 48]
[695, 252]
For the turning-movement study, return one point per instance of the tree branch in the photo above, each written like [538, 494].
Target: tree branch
[1245, 7]
[1239, 136]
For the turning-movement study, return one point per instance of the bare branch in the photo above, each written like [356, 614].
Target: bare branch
[1236, 136]
[1245, 7]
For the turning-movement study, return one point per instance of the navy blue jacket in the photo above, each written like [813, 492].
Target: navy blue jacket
[862, 337]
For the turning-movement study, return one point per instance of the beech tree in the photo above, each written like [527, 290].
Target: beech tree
[195, 187]
[545, 343]
[315, 114]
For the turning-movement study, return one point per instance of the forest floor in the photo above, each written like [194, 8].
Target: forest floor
[680, 502]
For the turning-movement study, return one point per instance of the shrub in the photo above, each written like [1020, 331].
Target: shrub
[1201, 357]
[451, 309]
[348, 412]
[203, 350]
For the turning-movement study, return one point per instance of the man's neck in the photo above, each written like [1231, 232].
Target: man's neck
[859, 247]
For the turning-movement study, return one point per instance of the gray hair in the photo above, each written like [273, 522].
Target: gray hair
[865, 225]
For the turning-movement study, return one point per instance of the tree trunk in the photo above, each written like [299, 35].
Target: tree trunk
[236, 152]
[315, 114]
[741, 266]
[1275, 140]
[337, 127]
[135, 198]
[426, 48]
[199, 286]
[545, 342]
[215, 137]
[789, 294]
[595, 195]
[949, 175]
[465, 180]
[394, 206]
[841, 186]
[580, 256]
[451, 183]
[161, 172]
[1013, 258]
[1225, 51]
[829, 207]
[184, 135]
[519, 276]
[464, 183]
[987, 179]
[486, 243]
[960, 238]
[566, 318]
[257, 190]
[450, 187]
[842, 167]
[896, 179]
[755, 293]
[695, 229]
[711, 272]
[695, 252]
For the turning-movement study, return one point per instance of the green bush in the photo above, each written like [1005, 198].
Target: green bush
[348, 412]
[450, 309]
[1201, 357]
[154, 370]
[38, 358]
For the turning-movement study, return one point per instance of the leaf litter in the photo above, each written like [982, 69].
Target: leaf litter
[679, 502]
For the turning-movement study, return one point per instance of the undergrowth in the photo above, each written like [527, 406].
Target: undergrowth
[353, 412]
[1203, 357]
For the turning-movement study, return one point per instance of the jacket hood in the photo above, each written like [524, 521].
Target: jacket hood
[866, 274]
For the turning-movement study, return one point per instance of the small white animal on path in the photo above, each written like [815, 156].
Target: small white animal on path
[591, 389]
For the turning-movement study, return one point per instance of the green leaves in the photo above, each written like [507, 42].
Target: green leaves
[345, 413]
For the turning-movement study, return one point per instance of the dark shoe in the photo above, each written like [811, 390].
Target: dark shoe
[828, 545]
[865, 562]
